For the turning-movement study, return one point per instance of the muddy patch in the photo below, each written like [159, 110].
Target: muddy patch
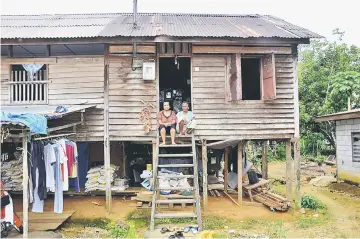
[345, 188]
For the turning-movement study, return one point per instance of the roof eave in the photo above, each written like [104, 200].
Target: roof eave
[147, 39]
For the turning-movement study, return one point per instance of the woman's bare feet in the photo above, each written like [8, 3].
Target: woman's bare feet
[173, 143]
[163, 143]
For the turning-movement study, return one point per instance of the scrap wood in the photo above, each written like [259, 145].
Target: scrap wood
[217, 193]
[212, 193]
[232, 199]
[96, 203]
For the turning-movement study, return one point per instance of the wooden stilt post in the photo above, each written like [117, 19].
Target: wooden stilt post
[240, 171]
[25, 186]
[204, 164]
[154, 155]
[264, 164]
[288, 172]
[297, 173]
[106, 130]
[226, 171]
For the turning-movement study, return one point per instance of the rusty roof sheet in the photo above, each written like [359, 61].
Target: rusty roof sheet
[149, 25]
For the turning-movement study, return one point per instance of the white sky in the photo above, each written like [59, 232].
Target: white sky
[320, 16]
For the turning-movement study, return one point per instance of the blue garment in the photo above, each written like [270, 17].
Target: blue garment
[38, 205]
[35, 122]
[59, 200]
[83, 162]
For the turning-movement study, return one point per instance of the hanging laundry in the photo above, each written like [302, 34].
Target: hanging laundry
[64, 166]
[38, 163]
[49, 157]
[58, 199]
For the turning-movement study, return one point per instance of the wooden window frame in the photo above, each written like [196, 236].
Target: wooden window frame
[229, 97]
[28, 102]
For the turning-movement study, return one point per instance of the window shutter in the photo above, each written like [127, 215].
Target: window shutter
[268, 77]
[235, 88]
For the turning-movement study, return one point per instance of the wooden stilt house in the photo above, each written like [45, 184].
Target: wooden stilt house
[238, 73]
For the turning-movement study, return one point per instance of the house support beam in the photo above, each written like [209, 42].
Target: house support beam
[226, 171]
[25, 186]
[106, 131]
[288, 172]
[264, 164]
[240, 172]
[204, 166]
[297, 174]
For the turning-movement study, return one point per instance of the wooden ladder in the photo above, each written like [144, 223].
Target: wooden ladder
[195, 198]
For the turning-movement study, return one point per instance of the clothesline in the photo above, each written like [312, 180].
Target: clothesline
[54, 136]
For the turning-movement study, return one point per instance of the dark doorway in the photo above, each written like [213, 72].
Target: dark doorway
[175, 81]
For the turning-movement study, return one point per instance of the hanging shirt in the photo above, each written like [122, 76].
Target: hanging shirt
[58, 198]
[64, 167]
[49, 157]
[70, 156]
[75, 166]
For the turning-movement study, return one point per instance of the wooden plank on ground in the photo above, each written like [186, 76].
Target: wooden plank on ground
[47, 220]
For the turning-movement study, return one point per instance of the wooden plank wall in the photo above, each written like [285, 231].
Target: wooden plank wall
[127, 89]
[218, 119]
[80, 81]
[5, 77]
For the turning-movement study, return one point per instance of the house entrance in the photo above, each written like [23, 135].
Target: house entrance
[175, 81]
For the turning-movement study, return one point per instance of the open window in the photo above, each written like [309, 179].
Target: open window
[252, 78]
[28, 84]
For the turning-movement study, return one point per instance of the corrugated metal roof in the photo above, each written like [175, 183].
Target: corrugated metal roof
[149, 25]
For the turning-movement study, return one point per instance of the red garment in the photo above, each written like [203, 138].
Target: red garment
[70, 156]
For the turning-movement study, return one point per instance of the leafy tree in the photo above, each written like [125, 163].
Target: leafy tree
[328, 76]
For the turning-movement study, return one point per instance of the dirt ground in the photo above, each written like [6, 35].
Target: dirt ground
[341, 219]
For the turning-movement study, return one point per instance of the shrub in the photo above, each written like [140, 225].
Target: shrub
[311, 202]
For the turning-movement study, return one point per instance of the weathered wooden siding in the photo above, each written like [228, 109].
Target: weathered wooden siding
[80, 81]
[73, 81]
[5, 77]
[126, 90]
[218, 119]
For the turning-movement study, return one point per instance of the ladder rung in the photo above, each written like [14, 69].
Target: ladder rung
[175, 215]
[175, 165]
[174, 155]
[176, 201]
[175, 176]
[175, 146]
[175, 188]
[178, 137]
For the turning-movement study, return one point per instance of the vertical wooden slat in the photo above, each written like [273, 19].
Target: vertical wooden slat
[226, 166]
[240, 171]
[204, 165]
[170, 48]
[36, 87]
[25, 186]
[31, 86]
[41, 86]
[106, 130]
[23, 89]
[288, 172]
[177, 48]
[264, 164]
[13, 94]
[46, 86]
[297, 174]
[185, 48]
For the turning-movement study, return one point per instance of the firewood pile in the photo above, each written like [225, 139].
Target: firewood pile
[145, 116]
[269, 199]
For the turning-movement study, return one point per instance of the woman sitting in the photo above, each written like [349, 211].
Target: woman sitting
[167, 122]
[185, 120]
